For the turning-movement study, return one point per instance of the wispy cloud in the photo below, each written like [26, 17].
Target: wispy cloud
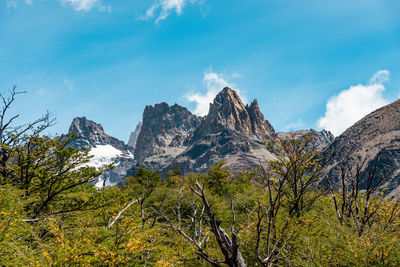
[161, 9]
[352, 104]
[295, 125]
[87, 5]
[77, 5]
[11, 4]
[213, 84]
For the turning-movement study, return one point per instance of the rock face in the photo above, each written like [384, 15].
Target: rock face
[134, 135]
[105, 149]
[319, 139]
[164, 134]
[378, 132]
[229, 114]
[233, 132]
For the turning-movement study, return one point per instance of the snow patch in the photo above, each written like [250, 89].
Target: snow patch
[107, 151]
[103, 154]
[106, 154]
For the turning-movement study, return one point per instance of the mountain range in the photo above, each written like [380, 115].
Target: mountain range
[171, 136]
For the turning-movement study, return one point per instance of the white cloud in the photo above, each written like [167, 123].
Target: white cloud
[350, 105]
[87, 5]
[29, 2]
[163, 8]
[213, 83]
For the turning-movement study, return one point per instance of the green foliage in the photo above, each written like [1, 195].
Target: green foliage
[294, 171]
[52, 175]
[219, 178]
[51, 214]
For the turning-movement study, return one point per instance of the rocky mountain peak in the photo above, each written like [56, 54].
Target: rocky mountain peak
[260, 126]
[228, 98]
[104, 148]
[164, 126]
[327, 135]
[134, 135]
[82, 127]
[227, 106]
[229, 114]
[89, 134]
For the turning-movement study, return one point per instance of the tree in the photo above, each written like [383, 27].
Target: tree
[357, 197]
[13, 135]
[51, 175]
[143, 184]
[295, 171]
[289, 183]
[199, 215]
[219, 178]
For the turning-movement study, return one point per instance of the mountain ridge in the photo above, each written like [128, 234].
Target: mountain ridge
[376, 133]
[170, 136]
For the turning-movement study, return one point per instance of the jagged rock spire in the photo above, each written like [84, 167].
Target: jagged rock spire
[83, 127]
[228, 113]
[134, 135]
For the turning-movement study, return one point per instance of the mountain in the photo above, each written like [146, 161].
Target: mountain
[105, 149]
[319, 139]
[232, 132]
[378, 132]
[164, 134]
[134, 135]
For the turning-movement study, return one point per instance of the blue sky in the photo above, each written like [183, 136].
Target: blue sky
[310, 63]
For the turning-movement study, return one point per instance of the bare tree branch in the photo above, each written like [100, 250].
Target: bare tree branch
[122, 211]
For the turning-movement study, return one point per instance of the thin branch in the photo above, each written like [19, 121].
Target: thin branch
[122, 211]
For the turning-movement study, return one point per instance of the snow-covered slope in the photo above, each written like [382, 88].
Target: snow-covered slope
[104, 148]
[104, 154]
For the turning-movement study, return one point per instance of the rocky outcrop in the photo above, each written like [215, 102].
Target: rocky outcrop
[377, 133]
[228, 113]
[90, 134]
[320, 139]
[104, 148]
[164, 134]
[134, 135]
[231, 132]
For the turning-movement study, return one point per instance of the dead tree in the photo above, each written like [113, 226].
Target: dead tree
[356, 195]
[229, 247]
[228, 244]
[266, 227]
